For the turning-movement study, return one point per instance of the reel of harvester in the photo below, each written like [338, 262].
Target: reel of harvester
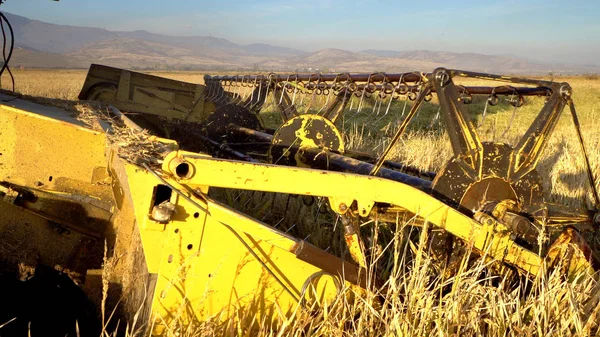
[489, 181]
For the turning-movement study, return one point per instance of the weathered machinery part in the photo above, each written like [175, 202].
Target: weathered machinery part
[568, 250]
[142, 93]
[216, 124]
[228, 151]
[339, 88]
[104, 92]
[493, 182]
[520, 226]
[73, 212]
[302, 133]
[480, 173]
[393, 165]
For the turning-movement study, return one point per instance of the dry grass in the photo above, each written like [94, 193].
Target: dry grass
[416, 302]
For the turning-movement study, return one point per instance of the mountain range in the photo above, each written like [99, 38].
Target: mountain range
[46, 45]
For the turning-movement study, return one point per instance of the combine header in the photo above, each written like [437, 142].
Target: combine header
[207, 201]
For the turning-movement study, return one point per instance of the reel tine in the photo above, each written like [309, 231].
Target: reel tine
[375, 104]
[480, 123]
[387, 109]
[435, 118]
[391, 99]
[237, 89]
[249, 102]
[295, 89]
[352, 91]
[213, 91]
[354, 115]
[512, 118]
[259, 84]
[221, 95]
[358, 110]
[405, 105]
[302, 97]
[242, 91]
[283, 89]
[363, 94]
[329, 91]
[285, 210]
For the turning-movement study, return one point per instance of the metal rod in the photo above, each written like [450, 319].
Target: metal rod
[225, 148]
[262, 263]
[363, 77]
[329, 81]
[401, 129]
[126, 120]
[322, 159]
[407, 168]
[587, 160]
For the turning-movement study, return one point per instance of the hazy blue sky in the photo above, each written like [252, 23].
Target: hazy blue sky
[564, 31]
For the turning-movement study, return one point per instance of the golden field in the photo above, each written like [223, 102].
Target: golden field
[416, 301]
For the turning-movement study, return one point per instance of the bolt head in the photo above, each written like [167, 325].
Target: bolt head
[442, 76]
[566, 90]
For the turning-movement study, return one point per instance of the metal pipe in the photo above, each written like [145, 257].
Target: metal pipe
[322, 159]
[471, 90]
[363, 77]
[337, 162]
[226, 149]
[405, 168]
[322, 80]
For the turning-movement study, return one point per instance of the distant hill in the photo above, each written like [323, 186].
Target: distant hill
[481, 62]
[328, 58]
[134, 53]
[382, 53]
[28, 58]
[54, 38]
[49, 45]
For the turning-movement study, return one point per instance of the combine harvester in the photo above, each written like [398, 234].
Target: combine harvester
[201, 203]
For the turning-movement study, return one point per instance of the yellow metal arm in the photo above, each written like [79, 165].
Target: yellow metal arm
[193, 170]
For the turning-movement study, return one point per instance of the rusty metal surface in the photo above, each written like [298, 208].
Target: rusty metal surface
[466, 189]
[466, 144]
[137, 92]
[302, 133]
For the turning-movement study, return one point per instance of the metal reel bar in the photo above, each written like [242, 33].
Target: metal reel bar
[384, 84]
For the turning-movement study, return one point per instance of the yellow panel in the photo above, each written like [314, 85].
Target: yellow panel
[37, 149]
[204, 268]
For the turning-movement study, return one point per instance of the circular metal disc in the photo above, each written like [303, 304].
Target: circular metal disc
[304, 132]
[458, 186]
[487, 189]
